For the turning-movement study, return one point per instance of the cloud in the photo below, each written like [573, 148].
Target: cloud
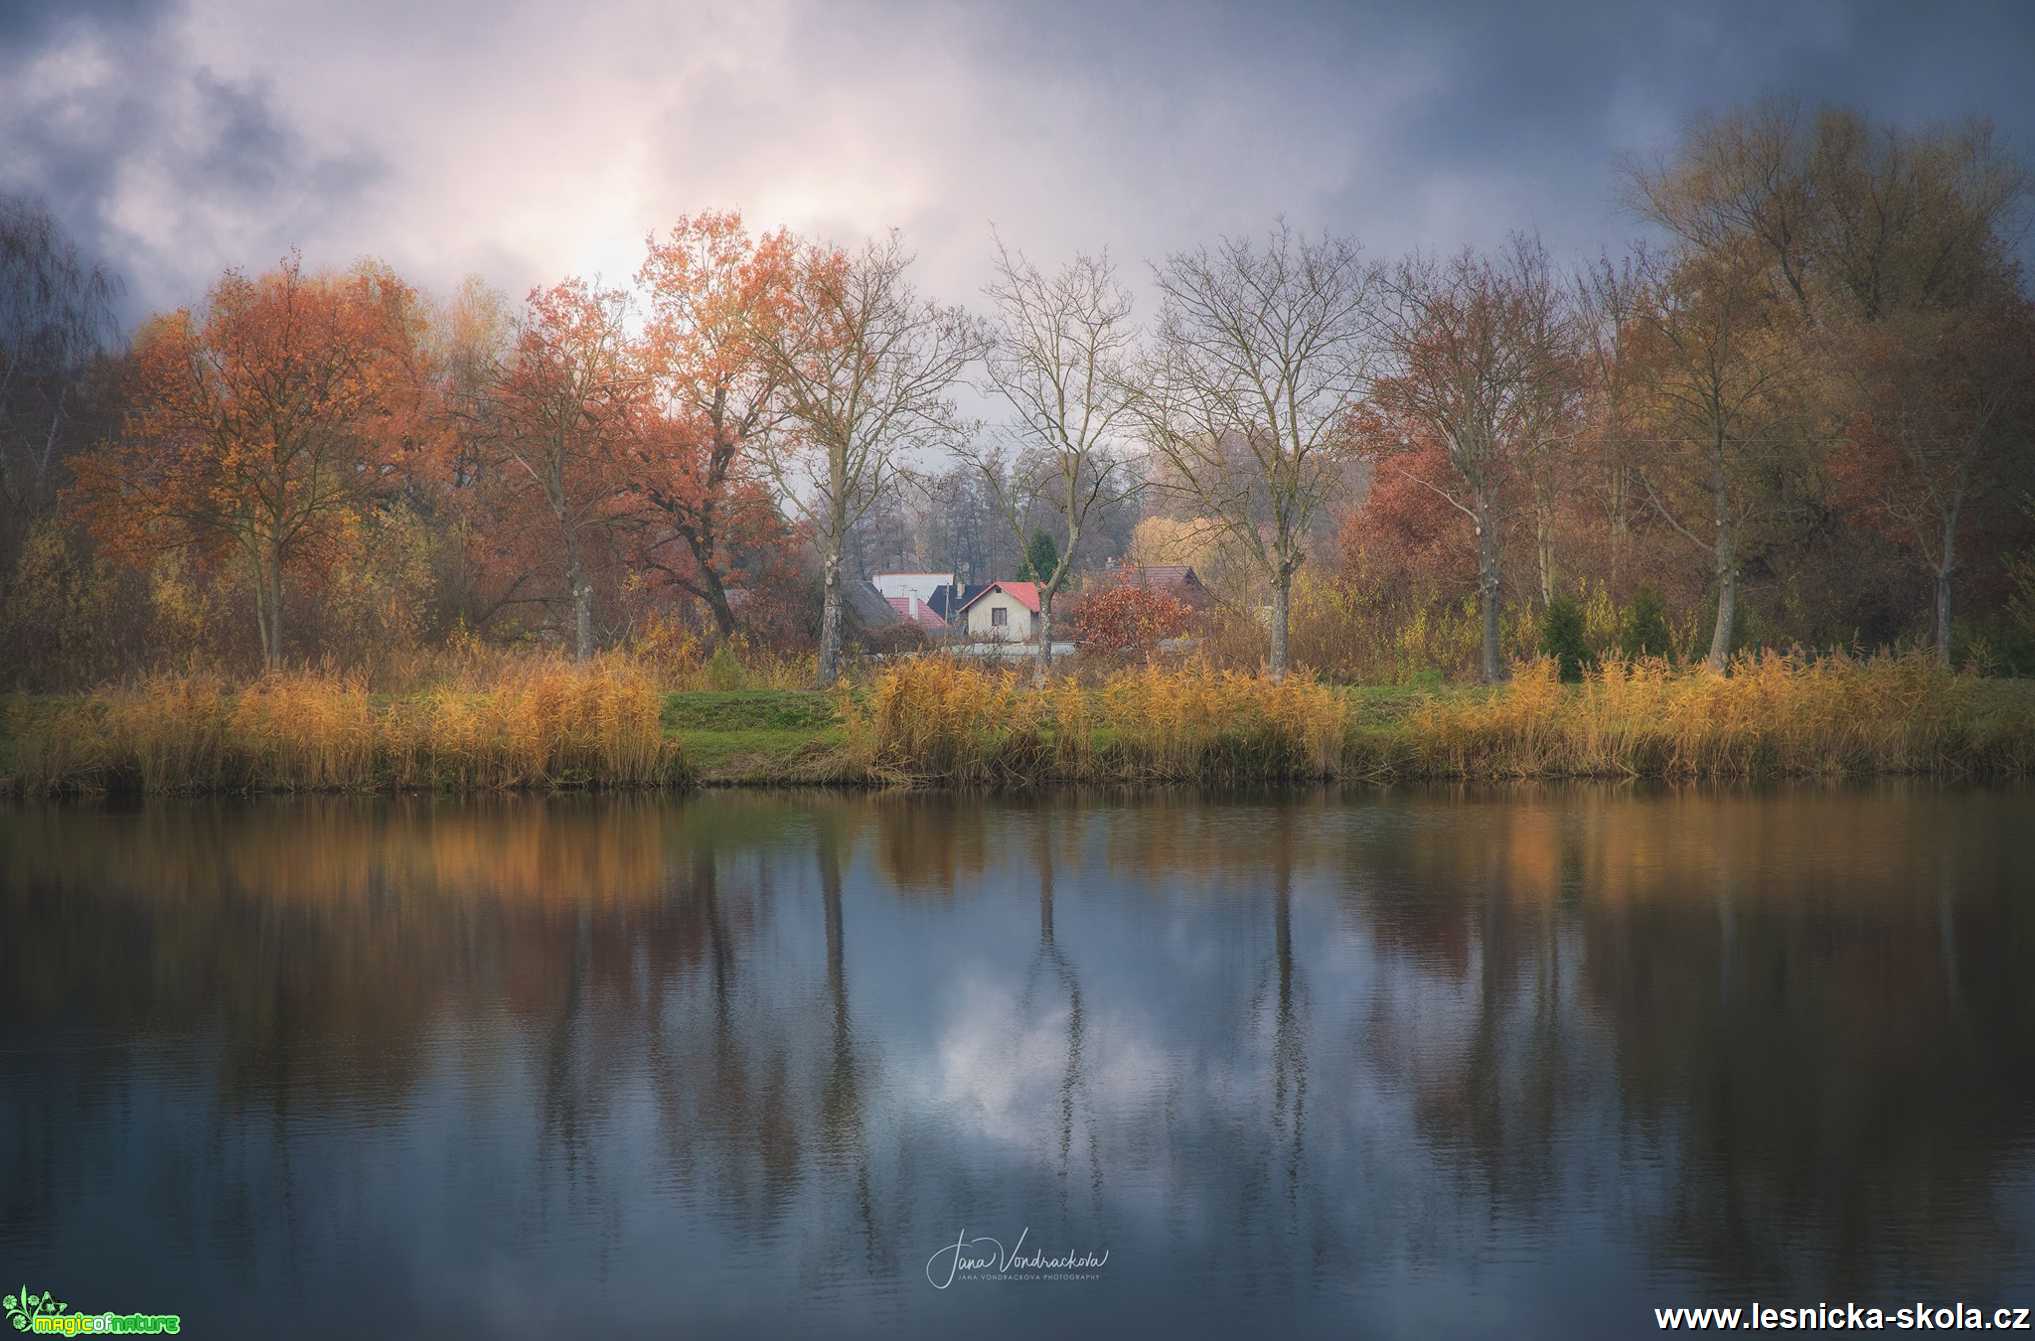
[527, 141]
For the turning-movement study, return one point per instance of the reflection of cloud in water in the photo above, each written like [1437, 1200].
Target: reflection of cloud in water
[1367, 1062]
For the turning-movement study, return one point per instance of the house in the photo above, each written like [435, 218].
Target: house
[921, 613]
[1002, 612]
[947, 601]
[918, 585]
[865, 609]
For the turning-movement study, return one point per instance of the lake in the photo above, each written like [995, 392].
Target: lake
[1530, 1061]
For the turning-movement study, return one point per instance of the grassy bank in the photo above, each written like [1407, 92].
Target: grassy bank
[932, 723]
[545, 723]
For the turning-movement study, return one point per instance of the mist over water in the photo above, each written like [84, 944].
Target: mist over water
[1402, 1063]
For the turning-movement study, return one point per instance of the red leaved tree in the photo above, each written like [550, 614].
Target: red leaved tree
[257, 426]
[703, 504]
[1126, 620]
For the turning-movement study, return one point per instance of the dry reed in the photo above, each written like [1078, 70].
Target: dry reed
[542, 722]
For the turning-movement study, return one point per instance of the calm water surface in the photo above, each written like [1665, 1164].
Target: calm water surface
[1411, 1064]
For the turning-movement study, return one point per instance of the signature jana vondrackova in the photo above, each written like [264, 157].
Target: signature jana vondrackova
[986, 1253]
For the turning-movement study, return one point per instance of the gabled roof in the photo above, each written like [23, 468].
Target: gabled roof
[1024, 593]
[925, 617]
[1165, 575]
[947, 601]
[866, 606]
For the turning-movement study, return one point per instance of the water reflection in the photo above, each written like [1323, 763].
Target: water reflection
[1537, 1059]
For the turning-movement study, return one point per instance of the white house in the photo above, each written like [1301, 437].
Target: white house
[1003, 612]
[911, 586]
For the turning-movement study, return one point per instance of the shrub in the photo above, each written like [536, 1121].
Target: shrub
[1563, 641]
[1644, 631]
[1126, 621]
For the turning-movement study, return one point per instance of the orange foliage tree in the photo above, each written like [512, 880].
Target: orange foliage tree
[257, 425]
[553, 429]
[703, 502]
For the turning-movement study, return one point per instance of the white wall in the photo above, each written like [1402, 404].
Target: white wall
[921, 585]
[1021, 625]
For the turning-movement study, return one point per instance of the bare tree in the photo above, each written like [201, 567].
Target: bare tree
[56, 316]
[1939, 401]
[865, 365]
[1724, 384]
[1478, 351]
[1855, 218]
[1060, 354]
[1264, 355]
[1607, 295]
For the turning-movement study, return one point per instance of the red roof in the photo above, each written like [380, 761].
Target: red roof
[1025, 593]
[925, 616]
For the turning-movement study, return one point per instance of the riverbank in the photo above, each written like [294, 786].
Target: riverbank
[933, 724]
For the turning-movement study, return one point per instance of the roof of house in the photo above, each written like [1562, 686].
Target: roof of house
[1165, 575]
[866, 606]
[949, 600]
[1024, 593]
[924, 615]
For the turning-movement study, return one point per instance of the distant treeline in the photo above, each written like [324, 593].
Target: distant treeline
[1801, 415]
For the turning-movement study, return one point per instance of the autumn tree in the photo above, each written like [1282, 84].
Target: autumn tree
[256, 425]
[1125, 620]
[1858, 225]
[555, 420]
[1060, 357]
[713, 295]
[1853, 217]
[1264, 350]
[1939, 399]
[1724, 412]
[1607, 295]
[1480, 354]
[865, 365]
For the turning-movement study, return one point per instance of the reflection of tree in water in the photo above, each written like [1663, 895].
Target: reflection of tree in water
[1751, 994]
[1280, 984]
[843, 1095]
[1074, 1078]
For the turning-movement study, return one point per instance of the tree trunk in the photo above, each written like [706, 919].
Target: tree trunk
[1726, 563]
[275, 650]
[268, 607]
[1544, 547]
[261, 606]
[1042, 666]
[1488, 587]
[582, 599]
[1727, 611]
[830, 619]
[1943, 617]
[1943, 572]
[1282, 605]
[717, 604]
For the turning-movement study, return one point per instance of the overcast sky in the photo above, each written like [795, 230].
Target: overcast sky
[529, 141]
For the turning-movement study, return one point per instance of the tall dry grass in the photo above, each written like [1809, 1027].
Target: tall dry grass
[539, 722]
[930, 721]
[1774, 715]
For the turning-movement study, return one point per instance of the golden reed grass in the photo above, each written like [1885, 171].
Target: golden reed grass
[541, 722]
[1774, 715]
[930, 721]
[933, 722]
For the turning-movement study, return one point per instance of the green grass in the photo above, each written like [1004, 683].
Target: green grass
[748, 736]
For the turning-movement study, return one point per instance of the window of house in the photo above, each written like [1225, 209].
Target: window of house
[998, 616]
